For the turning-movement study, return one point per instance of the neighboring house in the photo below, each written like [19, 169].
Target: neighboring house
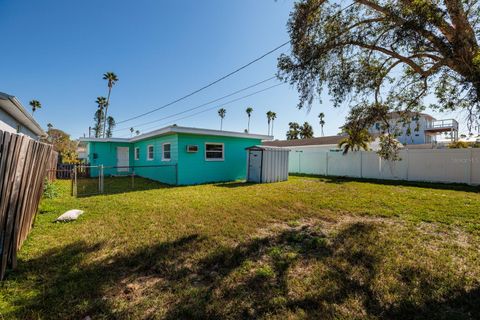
[175, 155]
[422, 129]
[15, 119]
[82, 153]
[328, 143]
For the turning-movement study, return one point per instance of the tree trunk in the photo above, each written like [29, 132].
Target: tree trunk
[106, 110]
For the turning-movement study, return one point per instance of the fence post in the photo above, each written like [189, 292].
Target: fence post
[100, 180]
[326, 163]
[470, 167]
[133, 178]
[75, 182]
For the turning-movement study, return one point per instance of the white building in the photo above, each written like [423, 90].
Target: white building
[14, 118]
[422, 129]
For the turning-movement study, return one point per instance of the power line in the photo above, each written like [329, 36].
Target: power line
[212, 108]
[199, 106]
[208, 85]
[227, 75]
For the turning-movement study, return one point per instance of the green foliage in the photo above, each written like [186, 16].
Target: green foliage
[383, 56]
[110, 126]
[35, 104]
[293, 132]
[66, 148]
[50, 190]
[458, 145]
[355, 140]
[306, 131]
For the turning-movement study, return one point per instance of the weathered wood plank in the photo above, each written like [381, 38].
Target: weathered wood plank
[23, 169]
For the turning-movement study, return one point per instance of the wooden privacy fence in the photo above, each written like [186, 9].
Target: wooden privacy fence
[52, 166]
[23, 166]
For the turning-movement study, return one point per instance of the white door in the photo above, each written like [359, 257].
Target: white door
[254, 166]
[123, 158]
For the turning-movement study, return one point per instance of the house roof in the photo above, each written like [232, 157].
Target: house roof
[267, 148]
[397, 114]
[177, 129]
[329, 140]
[319, 141]
[14, 108]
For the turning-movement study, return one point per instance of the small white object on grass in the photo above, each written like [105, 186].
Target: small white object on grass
[70, 215]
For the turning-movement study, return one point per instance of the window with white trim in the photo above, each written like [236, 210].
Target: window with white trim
[166, 152]
[150, 152]
[214, 151]
[137, 153]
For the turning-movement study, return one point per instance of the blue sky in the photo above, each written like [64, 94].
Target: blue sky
[56, 52]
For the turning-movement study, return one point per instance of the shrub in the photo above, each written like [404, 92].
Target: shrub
[458, 145]
[50, 190]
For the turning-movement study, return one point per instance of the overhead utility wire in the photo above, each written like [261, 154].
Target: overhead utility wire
[227, 75]
[208, 85]
[231, 101]
[201, 105]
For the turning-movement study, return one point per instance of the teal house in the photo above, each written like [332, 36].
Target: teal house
[175, 155]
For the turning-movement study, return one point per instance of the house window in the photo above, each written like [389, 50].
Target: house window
[137, 153]
[150, 152]
[166, 153]
[214, 152]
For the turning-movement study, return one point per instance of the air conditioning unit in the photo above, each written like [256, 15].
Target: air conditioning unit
[192, 148]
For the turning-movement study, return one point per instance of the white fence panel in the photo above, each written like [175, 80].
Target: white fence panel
[374, 167]
[433, 165]
[309, 162]
[348, 165]
[439, 165]
[475, 166]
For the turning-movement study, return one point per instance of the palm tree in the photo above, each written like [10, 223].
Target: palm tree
[306, 131]
[249, 113]
[35, 104]
[97, 128]
[294, 131]
[111, 124]
[322, 122]
[137, 132]
[269, 119]
[355, 141]
[49, 126]
[132, 130]
[99, 117]
[221, 114]
[112, 79]
[273, 116]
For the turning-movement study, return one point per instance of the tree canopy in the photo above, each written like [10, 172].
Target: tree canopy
[66, 148]
[386, 55]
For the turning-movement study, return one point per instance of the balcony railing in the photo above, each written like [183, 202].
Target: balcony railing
[445, 123]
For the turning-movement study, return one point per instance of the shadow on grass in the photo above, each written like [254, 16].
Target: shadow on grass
[430, 185]
[235, 184]
[249, 280]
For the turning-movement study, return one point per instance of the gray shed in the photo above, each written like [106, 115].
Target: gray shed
[267, 164]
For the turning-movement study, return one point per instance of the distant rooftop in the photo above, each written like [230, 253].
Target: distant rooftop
[396, 114]
[328, 140]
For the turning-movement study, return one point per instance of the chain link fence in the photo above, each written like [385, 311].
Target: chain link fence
[93, 180]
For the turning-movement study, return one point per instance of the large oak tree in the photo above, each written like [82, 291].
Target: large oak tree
[386, 55]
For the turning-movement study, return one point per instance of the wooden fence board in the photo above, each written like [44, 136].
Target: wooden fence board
[23, 167]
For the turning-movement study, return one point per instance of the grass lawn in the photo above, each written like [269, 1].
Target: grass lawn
[307, 248]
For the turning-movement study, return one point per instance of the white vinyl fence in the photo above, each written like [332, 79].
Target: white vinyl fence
[432, 165]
